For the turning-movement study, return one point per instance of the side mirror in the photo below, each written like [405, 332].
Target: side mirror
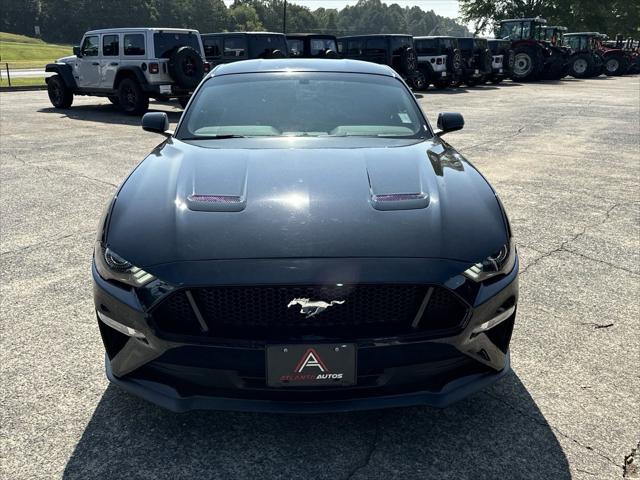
[156, 122]
[77, 52]
[449, 122]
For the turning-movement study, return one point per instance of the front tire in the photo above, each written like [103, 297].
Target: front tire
[60, 95]
[132, 99]
[581, 66]
[419, 82]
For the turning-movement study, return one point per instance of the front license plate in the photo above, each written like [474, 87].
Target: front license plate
[311, 365]
[165, 88]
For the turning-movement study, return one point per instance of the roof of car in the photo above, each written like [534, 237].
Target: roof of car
[242, 33]
[141, 29]
[303, 65]
[557, 27]
[581, 33]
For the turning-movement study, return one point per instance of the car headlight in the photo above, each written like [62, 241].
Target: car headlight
[112, 266]
[498, 263]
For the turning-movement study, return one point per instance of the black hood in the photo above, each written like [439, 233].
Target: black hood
[305, 198]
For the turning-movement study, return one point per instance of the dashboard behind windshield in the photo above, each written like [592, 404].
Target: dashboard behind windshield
[298, 104]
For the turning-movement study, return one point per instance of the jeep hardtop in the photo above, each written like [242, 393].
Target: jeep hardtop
[227, 47]
[312, 45]
[395, 50]
[129, 66]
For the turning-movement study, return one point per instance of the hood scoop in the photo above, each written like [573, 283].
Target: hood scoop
[396, 185]
[220, 189]
[216, 203]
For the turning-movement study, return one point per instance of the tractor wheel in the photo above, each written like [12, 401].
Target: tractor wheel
[581, 65]
[615, 65]
[526, 64]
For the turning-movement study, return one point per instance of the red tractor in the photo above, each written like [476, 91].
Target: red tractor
[616, 57]
[586, 59]
[534, 59]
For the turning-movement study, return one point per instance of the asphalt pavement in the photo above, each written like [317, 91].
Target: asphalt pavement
[565, 159]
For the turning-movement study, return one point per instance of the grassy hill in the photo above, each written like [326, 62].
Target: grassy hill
[20, 51]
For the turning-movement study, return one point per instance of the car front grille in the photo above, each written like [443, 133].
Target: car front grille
[268, 313]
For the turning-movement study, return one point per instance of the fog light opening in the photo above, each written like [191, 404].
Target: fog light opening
[128, 331]
[495, 321]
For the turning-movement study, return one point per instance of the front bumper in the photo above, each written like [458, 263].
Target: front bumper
[228, 374]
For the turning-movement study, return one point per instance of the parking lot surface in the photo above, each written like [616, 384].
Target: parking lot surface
[564, 156]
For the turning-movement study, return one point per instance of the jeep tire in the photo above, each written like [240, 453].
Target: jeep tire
[60, 95]
[526, 64]
[442, 83]
[186, 67]
[133, 100]
[615, 65]
[183, 101]
[419, 82]
[114, 99]
[581, 65]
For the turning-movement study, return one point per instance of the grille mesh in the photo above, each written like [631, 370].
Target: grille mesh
[262, 312]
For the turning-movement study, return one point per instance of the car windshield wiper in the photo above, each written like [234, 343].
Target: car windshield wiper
[213, 137]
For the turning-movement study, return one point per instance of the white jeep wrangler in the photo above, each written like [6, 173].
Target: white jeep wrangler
[129, 66]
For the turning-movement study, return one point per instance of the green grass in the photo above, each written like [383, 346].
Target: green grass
[20, 51]
[21, 82]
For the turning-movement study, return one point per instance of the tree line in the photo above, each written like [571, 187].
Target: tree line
[64, 21]
[610, 17]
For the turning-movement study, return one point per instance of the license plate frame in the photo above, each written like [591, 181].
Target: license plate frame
[311, 365]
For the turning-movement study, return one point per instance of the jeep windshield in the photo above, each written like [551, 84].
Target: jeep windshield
[165, 43]
[302, 104]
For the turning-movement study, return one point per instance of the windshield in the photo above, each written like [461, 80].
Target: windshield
[302, 104]
[165, 43]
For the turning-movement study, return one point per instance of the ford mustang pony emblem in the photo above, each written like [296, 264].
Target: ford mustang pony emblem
[309, 308]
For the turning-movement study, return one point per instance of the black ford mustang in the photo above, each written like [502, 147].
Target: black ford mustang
[304, 241]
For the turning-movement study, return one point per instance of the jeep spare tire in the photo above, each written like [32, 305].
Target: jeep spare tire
[186, 67]
[408, 61]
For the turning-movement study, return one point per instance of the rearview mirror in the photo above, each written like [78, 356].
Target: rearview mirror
[449, 122]
[77, 52]
[156, 122]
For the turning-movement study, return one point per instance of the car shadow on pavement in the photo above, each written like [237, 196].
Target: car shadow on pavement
[498, 433]
[107, 113]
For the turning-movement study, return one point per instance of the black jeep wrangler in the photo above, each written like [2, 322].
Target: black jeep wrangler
[397, 51]
[476, 60]
[312, 45]
[502, 59]
[230, 47]
[439, 60]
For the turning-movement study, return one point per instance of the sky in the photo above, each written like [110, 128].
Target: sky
[445, 8]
